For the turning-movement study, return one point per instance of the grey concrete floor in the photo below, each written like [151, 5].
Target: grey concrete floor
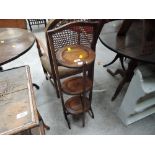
[106, 121]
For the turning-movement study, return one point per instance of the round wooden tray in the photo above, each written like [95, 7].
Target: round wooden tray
[74, 85]
[74, 105]
[75, 55]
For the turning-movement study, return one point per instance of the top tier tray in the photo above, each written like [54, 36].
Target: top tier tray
[73, 56]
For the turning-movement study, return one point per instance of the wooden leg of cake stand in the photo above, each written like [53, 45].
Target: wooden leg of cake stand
[91, 113]
[66, 118]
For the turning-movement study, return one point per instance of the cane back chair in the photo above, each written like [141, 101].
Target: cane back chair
[38, 22]
[62, 32]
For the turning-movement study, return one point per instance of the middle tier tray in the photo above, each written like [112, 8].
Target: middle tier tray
[74, 85]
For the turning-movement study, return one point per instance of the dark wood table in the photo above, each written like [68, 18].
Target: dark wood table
[13, 43]
[132, 44]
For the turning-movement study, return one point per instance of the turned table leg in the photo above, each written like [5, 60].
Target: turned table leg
[127, 77]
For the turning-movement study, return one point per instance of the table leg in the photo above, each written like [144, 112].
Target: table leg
[118, 71]
[41, 129]
[116, 57]
[41, 120]
[125, 27]
[42, 125]
[127, 77]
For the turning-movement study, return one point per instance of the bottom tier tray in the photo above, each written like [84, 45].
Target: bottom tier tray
[74, 105]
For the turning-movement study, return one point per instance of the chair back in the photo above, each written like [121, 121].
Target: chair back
[77, 32]
[60, 33]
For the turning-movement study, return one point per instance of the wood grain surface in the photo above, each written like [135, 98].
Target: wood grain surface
[13, 43]
[17, 104]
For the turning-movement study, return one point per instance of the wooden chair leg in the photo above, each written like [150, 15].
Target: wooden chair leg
[45, 72]
[30, 25]
[45, 22]
[41, 129]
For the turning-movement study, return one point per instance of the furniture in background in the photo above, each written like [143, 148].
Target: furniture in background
[118, 56]
[14, 42]
[17, 102]
[132, 45]
[37, 22]
[125, 25]
[63, 32]
[80, 87]
[139, 100]
[13, 23]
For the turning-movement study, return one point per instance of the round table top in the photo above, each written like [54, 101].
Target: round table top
[130, 45]
[13, 43]
[74, 55]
